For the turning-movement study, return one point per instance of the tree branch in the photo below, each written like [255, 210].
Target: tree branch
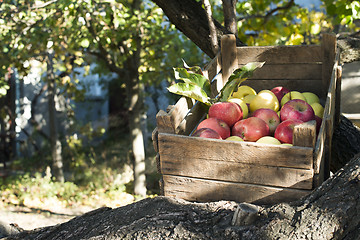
[212, 36]
[190, 18]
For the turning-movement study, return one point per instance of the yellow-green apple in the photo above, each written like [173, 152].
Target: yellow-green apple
[244, 91]
[235, 138]
[242, 104]
[318, 109]
[206, 133]
[287, 144]
[264, 99]
[269, 116]
[268, 140]
[247, 99]
[292, 95]
[311, 97]
[297, 109]
[229, 112]
[280, 92]
[217, 125]
[250, 129]
[285, 130]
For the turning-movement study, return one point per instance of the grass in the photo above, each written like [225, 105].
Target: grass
[95, 177]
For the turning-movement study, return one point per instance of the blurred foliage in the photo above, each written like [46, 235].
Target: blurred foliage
[276, 22]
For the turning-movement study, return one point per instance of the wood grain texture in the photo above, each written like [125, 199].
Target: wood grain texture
[280, 54]
[238, 172]
[187, 148]
[289, 71]
[305, 134]
[228, 56]
[202, 190]
[328, 48]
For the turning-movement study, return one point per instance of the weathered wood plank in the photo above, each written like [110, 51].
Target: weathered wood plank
[213, 67]
[238, 172]
[280, 54]
[188, 148]
[203, 190]
[192, 119]
[328, 48]
[228, 56]
[338, 94]
[289, 71]
[305, 134]
[169, 121]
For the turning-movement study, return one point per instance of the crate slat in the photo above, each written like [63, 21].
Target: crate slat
[203, 190]
[289, 71]
[185, 148]
[280, 54]
[239, 172]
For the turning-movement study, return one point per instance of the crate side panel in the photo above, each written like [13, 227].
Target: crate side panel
[280, 54]
[202, 190]
[289, 71]
[238, 172]
[188, 148]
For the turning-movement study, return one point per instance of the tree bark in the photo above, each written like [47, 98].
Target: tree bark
[350, 48]
[190, 18]
[229, 9]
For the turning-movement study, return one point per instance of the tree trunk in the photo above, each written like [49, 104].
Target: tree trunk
[332, 211]
[55, 145]
[136, 108]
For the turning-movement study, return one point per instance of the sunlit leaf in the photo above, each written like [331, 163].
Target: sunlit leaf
[190, 90]
[193, 78]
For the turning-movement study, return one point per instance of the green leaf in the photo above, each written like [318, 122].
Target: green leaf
[190, 90]
[194, 79]
[238, 76]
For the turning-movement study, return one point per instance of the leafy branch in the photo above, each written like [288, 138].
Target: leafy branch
[195, 85]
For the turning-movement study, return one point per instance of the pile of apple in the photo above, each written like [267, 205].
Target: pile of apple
[266, 117]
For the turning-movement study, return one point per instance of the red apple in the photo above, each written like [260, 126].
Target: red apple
[217, 125]
[280, 92]
[229, 112]
[269, 116]
[250, 129]
[297, 109]
[206, 133]
[284, 131]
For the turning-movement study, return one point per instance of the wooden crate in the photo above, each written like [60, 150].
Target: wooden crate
[200, 169]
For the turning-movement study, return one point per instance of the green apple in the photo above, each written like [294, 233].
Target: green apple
[242, 104]
[264, 99]
[287, 144]
[269, 140]
[292, 95]
[318, 109]
[244, 91]
[235, 138]
[311, 97]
